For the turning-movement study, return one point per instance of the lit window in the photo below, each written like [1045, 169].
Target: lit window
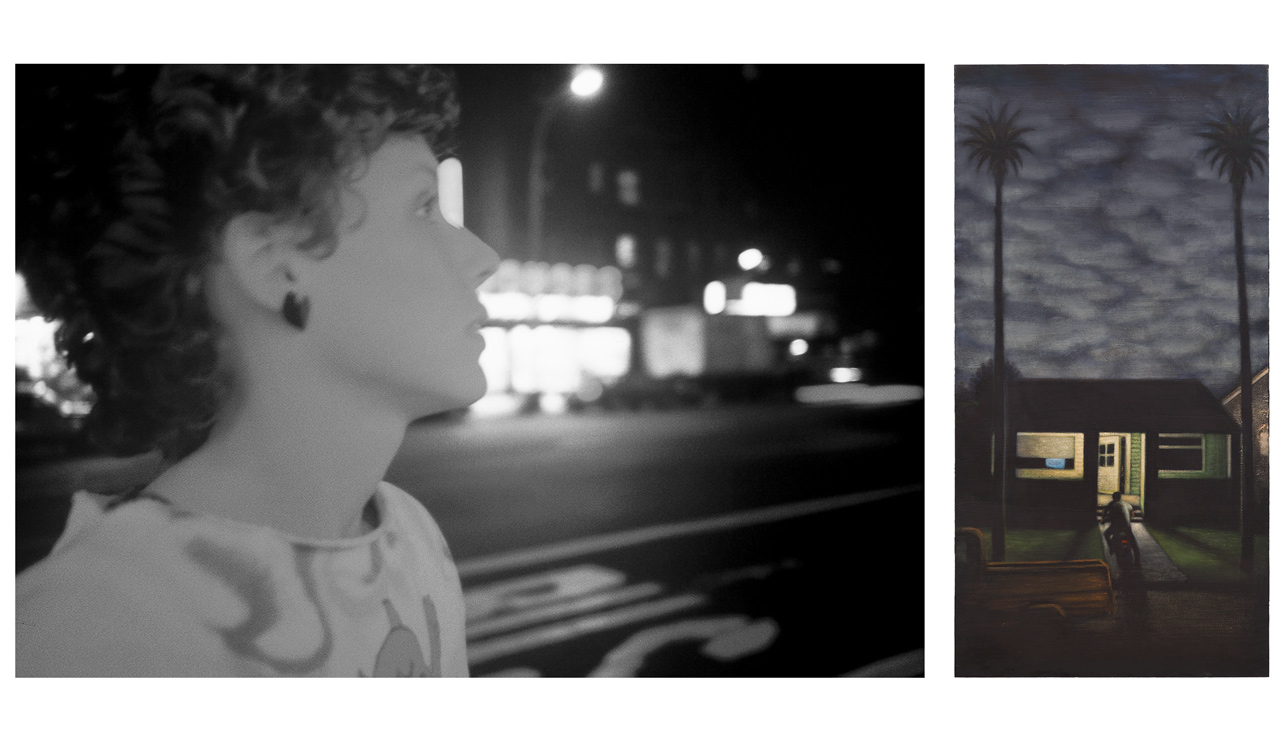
[626, 252]
[1050, 455]
[1106, 455]
[628, 184]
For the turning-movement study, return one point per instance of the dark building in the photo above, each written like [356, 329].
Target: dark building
[1261, 435]
[1166, 445]
[673, 170]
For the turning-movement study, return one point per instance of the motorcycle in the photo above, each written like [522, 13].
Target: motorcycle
[1120, 544]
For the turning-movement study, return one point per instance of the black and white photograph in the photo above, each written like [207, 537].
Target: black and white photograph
[477, 370]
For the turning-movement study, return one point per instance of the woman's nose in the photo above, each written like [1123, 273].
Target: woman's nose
[483, 261]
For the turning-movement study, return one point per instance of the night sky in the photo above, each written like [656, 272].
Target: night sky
[1118, 235]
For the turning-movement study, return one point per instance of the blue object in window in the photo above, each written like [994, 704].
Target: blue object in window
[1055, 463]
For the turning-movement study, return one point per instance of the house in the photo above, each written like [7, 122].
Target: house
[1261, 435]
[1166, 445]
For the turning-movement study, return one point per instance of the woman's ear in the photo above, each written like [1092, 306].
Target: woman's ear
[264, 258]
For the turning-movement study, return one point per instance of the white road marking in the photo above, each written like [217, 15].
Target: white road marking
[529, 557]
[535, 590]
[562, 610]
[486, 650]
[746, 641]
[628, 658]
[898, 666]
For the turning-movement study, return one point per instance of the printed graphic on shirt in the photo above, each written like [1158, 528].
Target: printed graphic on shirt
[254, 583]
[401, 654]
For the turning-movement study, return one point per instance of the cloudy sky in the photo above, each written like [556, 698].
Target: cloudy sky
[1118, 236]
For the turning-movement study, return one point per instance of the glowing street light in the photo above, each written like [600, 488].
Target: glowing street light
[586, 82]
[750, 259]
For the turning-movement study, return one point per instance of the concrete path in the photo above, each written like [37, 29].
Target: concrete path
[1155, 564]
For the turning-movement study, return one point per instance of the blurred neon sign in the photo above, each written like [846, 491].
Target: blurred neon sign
[539, 292]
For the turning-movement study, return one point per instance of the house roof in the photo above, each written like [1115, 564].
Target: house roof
[1115, 405]
[1234, 394]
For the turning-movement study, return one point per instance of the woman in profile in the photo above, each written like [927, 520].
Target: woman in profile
[253, 273]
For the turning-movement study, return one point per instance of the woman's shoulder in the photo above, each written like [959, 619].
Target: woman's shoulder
[413, 519]
[109, 599]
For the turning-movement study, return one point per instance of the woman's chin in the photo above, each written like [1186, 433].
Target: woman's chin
[459, 396]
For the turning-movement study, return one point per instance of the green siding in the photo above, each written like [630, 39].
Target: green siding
[1216, 453]
[1135, 451]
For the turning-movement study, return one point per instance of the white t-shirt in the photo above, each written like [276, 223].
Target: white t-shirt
[148, 590]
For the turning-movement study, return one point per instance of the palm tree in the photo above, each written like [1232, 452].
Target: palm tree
[1236, 147]
[996, 145]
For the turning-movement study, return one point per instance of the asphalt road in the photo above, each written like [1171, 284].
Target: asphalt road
[766, 540]
[505, 483]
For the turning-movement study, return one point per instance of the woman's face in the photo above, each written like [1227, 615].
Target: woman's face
[394, 309]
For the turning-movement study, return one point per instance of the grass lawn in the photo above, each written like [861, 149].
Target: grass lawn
[1048, 545]
[1205, 554]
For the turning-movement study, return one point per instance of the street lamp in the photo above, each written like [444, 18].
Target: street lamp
[586, 82]
[750, 259]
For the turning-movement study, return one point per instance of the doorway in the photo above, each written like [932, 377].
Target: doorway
[1115, 468]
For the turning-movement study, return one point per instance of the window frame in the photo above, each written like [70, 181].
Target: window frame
[1049, 473]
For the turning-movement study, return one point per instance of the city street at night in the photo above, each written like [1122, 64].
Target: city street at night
[682, 434]
[732, 541]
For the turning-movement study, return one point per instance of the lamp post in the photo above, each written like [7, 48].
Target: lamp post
[586, 82]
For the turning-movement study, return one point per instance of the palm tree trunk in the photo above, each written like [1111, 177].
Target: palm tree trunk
[1247, 470]
[1000, 402]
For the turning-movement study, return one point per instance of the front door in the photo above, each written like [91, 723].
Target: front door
[1110, 462]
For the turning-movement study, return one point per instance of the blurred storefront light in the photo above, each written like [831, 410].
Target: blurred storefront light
[715, 297]
[549, 333]
[552, 307]
[845, 374]
[604, 352]
[553, 403]
[764, 299]
[557, 369]
[508, 305]
[595, 309]
[494, 360]
[807, 325]
[523, 375]
[497, 405]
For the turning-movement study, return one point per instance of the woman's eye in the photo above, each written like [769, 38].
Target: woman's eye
[428, 208]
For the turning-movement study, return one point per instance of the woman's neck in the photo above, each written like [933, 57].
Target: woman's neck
[299, 459]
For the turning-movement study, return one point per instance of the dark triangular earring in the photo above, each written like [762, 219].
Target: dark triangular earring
[295, 310]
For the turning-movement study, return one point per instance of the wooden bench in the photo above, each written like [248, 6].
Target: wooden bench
[1036, 589]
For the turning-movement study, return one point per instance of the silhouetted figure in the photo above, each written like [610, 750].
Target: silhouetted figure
[1118, 519]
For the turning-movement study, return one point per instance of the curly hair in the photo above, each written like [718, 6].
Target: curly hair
[128, 174]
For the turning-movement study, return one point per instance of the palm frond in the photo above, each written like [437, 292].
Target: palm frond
[995, 142]
[1235, 145]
